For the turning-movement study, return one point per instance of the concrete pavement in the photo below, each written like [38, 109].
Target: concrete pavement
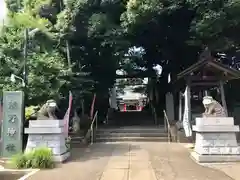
[131, 161]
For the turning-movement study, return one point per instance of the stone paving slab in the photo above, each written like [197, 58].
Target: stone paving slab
[140, 165]
[231, 169]
[143, 174]
[115, 174]
[132, 161]
[173, 162]
[118, 165]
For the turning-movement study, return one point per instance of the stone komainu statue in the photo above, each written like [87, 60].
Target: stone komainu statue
[80, 123]
[47, 111]
[213, 108]
[76, 121]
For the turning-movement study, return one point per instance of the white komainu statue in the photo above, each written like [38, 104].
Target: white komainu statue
[48, 111]
[213, 108]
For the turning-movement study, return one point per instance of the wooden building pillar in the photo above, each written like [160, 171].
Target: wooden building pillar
[170, 106]
[189, 101]
[180, 107]
[223, 99]
[189, 86]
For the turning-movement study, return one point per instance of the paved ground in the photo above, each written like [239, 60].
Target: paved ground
[131, 161]
[231, 169]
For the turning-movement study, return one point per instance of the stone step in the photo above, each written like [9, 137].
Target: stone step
[131, 134]
[131, 130]
[76, 140]
[133, 119]
[129, 123]
[135, 139]
[132, 113]
[77, 137]
[72, 134]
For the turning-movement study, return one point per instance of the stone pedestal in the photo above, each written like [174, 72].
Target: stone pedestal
[216, 140]
[48, 133]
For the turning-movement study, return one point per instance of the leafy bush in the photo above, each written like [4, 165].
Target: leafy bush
[29, 156]
[18, 161]
[30, 112]
[41, 158]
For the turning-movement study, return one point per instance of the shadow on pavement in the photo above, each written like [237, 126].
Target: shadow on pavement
[99, 150]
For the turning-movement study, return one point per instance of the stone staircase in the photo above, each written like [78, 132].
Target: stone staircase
[132, 133]
[126, 126]
[77, 140]
[131, 118]
[131, 126]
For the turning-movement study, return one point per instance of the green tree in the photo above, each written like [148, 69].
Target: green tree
[173, 33]
[216, 24]
[96, 41]
[100, 33]
[45, 63]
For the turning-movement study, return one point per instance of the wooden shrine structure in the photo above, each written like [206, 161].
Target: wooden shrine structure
[206, 74]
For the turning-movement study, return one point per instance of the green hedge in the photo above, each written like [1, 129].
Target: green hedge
[31, 112]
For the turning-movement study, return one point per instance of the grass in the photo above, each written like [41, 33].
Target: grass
[41, 158]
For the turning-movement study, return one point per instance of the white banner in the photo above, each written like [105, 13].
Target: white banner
[187, 114]
[67, 114]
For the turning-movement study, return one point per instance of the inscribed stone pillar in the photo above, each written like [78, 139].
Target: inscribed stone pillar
[12, 123]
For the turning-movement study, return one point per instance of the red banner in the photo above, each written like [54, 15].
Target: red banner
[1, 118]
[1, 114]
[67, 114]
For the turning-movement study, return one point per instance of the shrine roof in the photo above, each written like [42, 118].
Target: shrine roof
[215, 65]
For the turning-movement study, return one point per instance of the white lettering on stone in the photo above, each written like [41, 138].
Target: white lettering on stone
[236, 150]
[11, 132]
[214, 150]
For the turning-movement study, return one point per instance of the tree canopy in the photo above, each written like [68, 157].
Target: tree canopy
[81, 43]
